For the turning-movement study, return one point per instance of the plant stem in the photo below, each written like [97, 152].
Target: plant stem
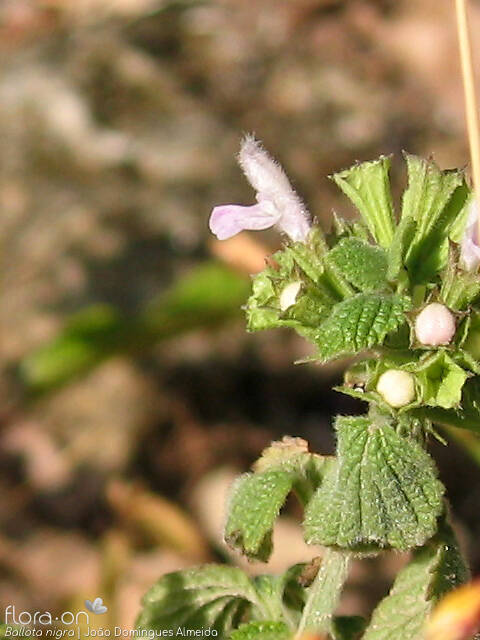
[324, 593]
[471, 109]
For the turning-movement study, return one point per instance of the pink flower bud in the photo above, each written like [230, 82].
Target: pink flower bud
[435, 325]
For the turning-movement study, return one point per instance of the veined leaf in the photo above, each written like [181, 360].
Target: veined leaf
[362, 265]
[368, 187]
[433, 571]
[434, 199]
[210, 596]
[360, 323]
[256, 498]
[262, 631]
[255, 502]
[383, 492]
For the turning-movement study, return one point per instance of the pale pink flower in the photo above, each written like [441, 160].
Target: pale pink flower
[470, 247]
[277, 202]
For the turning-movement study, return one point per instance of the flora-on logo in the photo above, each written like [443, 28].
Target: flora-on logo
[96, 606]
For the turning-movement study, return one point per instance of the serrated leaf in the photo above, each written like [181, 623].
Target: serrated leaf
[211, 596]
[254, 504]
[368, 187]
[434, 570]
[267, 630]
[362, 265]
[383, 493]
[256, 498]
[359, 323]
[434, 199]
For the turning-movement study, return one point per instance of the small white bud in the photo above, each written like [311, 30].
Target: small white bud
[396, 387]
[288, 297]
[435, 325]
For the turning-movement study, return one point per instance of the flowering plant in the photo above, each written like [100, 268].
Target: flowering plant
[401, 299]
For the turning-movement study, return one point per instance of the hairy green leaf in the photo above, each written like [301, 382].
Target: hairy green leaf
[262, 631]
[434, 199]
[383, 493]
[362, 265]
[368, 187]
[255, 502]
[433, 571]
[291, 455]
[359, 323]
[256, 498]
[210, 596]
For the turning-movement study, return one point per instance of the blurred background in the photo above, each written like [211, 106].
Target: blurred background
[131, 394]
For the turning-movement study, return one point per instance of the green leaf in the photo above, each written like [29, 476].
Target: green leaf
[211, 596]
[312, 305]
[440, 379]
[361, 264]
[465, 416]
[262, 631]
[402, 239]
[383, 493]
[256, 498]
[368, 187]
[255, 502]
[359, 323]
[282, 596]
[206, 297]
[433, 571]
[291, 455]
[324, 594]
[434, 199]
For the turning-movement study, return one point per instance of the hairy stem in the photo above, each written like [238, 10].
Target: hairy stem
[324, 593]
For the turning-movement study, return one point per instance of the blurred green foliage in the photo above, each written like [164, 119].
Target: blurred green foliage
[207, 296]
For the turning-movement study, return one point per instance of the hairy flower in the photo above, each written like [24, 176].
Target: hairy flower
[470, 247]
[277, 202]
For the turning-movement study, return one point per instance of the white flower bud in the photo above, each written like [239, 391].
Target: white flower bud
[288, 297]
[435, 325]
[396, 387]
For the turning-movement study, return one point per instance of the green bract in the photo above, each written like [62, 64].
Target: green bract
[355, 293]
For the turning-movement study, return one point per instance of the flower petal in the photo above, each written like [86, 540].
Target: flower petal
[229, 219]
[470, 249]
[272, 185]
